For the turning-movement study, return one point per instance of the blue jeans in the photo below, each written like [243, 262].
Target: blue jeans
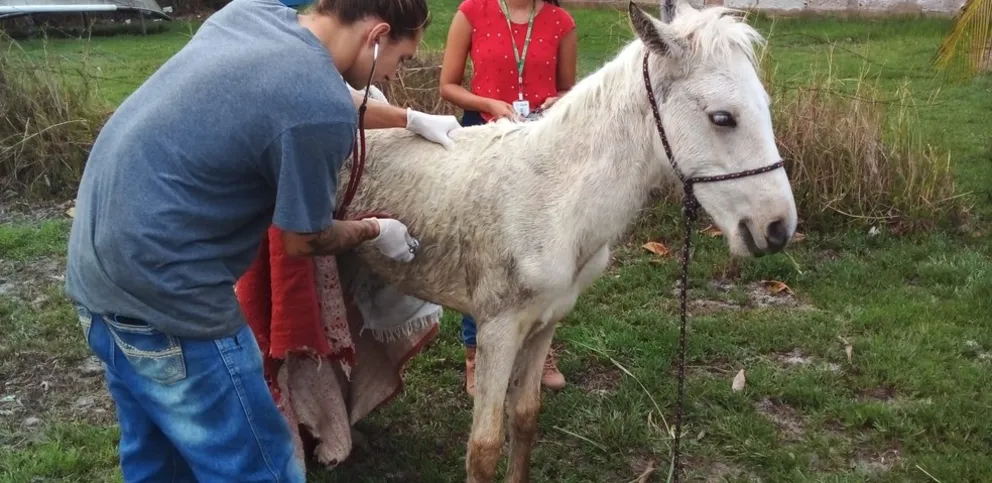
[468, 330]
[191, 409]
[470, 118]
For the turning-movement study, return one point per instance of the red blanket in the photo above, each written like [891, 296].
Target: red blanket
[302, 320]
[278, 296]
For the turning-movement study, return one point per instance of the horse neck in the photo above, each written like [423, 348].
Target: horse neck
[599, 139]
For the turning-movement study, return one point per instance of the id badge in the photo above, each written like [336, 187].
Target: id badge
[522, 107]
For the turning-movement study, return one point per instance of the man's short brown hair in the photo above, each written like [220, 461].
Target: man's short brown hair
[406, 18]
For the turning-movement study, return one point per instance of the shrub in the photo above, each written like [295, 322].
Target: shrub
[60, 25]
[853, 157]
[416, 84]
[49, 117]
[189, 7]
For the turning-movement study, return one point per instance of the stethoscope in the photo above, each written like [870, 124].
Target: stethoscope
[413, 245]
[368, 84]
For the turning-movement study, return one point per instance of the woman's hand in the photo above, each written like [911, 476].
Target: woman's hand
[548, 102]
[499, 109]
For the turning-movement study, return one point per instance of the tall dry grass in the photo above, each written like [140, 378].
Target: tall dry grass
[49, 117]
[416, 84]
[851, 157]
[856, 154]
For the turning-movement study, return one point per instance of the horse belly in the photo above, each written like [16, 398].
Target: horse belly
[431, 277]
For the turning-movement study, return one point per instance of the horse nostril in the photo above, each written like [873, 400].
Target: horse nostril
[777, 236]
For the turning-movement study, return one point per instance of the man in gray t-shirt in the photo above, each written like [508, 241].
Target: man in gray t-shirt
[248, 125]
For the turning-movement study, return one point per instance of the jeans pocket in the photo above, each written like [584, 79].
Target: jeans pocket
[151, 353]
[85, 322]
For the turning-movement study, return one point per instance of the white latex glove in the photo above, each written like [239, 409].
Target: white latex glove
[432, 127]
[394, 241]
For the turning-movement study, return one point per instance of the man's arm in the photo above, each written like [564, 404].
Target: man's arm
[302, 163]
[341, 236]
[380, 115]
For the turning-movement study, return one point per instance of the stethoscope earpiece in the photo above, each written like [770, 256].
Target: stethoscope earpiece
[368, 85]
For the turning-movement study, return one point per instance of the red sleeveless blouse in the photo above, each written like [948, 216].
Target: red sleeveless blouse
[492, 54]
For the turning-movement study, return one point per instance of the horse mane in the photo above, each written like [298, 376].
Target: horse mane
[713, 34]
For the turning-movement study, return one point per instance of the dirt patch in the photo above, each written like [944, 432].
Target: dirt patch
[762, 296]
[721, 472]
[883, 393]
[13, 210]
[708, 307]
[827, 255]
[719, 366]
[722, 285]
[716, 472]
[754, 295]
[701, 305]
[29, 280]
[796, 358]
[38, 388]
[788, 420]
[642, 464]
[887, 395]
[598, 378]
[974, 350]
[875, 462]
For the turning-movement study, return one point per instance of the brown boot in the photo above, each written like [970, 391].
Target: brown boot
[552, 377]
[470, 371]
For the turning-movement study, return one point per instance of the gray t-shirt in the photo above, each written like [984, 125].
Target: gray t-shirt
[246, 126]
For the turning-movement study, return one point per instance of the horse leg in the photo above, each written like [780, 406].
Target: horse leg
[525, 395]
[498, 345]
[525, 402]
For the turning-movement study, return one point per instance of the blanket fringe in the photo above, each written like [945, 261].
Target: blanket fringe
[406, 330]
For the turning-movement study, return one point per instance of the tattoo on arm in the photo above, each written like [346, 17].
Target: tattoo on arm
[342, 236]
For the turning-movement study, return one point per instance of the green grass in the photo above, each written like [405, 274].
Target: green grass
[915, 309]
[21, 242]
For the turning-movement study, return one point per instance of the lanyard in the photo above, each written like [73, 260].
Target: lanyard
[521, 57]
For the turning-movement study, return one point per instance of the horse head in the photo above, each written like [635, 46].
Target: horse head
[716, 115]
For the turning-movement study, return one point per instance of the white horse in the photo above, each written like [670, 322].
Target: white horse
[518, 220]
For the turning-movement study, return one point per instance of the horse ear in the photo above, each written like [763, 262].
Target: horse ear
[655, 35]
[667, 11]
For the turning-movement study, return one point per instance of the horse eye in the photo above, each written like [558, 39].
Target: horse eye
[723, 119]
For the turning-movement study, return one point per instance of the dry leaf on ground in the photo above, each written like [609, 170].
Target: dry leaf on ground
[739, 381]
[646, 475]
[712, 231]
[848, 348]
[71, 212]
[776, 287]
[798, 237]
[656, 248]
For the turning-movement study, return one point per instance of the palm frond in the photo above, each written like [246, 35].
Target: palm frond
[967, 48]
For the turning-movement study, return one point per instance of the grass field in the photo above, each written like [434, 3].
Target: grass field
[908, 402]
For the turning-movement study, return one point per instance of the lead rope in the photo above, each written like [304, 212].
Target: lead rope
[690, 210]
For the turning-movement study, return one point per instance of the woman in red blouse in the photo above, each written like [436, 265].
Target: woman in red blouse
[511, 79]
